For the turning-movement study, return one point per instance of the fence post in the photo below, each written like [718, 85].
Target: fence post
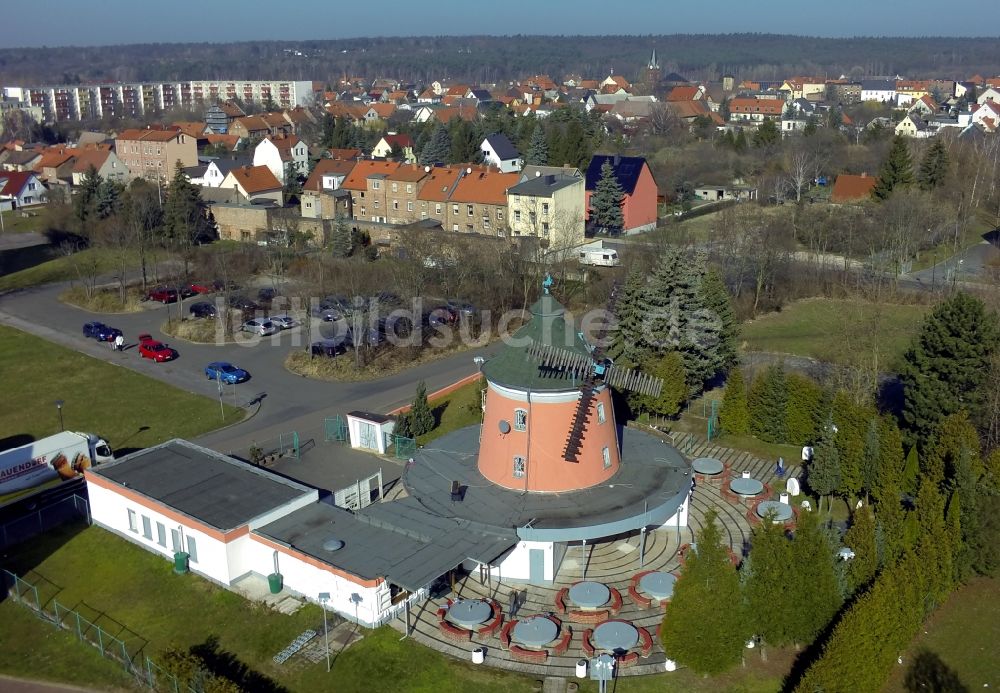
[79, 633]
[125, 658]
[38, 602]
[150, 680]
[17, 585]
[100, 638]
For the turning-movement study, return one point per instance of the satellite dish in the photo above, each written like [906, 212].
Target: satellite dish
[333, 544]
[504, 426]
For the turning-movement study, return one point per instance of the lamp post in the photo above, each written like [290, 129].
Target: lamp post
[324, 597]
[59, 406]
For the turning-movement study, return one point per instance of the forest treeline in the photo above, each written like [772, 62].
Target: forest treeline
[490, 59]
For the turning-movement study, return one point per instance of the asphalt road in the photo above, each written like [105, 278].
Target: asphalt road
[284, 402]
[969, 265]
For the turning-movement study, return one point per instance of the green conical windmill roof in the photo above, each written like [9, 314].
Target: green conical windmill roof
[513, 367]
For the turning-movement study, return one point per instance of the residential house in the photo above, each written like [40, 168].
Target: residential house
[105, 162]
[478, 204]
[433, 195]
[988, 94]
[686, 92]
[219, 116]
[755, 110]
[22, 189]
[217, 169]
[366, 183]
[153, 154]
[924, 106]
[615, 83]
[851, 188]
[323, 196]
[228, 142]
[550, 207]
[719, 193]
[880, 90]
[638, 185]
[259, 126]
[844, 91]
[256, 184]
[402, 144]
[56, 165]
[532, 170]
[811, 88]
[402, 187]
[20, 160]
[500, 152]
[196, 174]
[909, 90]
[987, 116]
[279, 152]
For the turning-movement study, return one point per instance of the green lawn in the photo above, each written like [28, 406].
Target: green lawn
[965, 633]
[13, 222]
[128, 409]
[461, 408]
[969, 237]
[60, 269]
[836, 330]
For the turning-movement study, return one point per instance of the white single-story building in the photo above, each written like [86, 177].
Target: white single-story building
[370, 431]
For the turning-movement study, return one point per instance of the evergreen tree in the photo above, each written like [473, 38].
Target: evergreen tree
[814, 589]
[293, 181]
[704, 627]
[606, 202]
[420, 415]
[768, 402]
[934, 166]
[802, 410]
[88, 192]
[438, 147]
[891, 526]
[861, 538]
[734, 415]
[766, 135]
[109, 199]
[896, 171]
[851, 421]
[888, 462]
[576, 151]
[715, 298]
[538, 148]
[628, 345]
[934, 542]
[464, 143]
[823, 471]
[670, 369]
[943, 368]
[911, 472]
[740, 143]
[341, 243]
[404, 426]
[184, 212]
[766, 574]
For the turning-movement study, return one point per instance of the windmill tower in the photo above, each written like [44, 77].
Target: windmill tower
[549, 424]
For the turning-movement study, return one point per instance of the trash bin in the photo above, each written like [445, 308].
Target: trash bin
[180, 562]
[478, 655]
[581, 668]
[670, 665]
[783, 498]
[274, 581]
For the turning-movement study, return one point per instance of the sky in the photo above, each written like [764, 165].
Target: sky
[73, 22]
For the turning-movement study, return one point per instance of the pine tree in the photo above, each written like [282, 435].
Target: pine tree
[766, 574]
[538, 148]
[109, 199]
[88, 192]
[734, 416]
[888, 462]
[293, 181]
[341, 243]
[670, 369]
[823, 471]
[606, 202]
[943, 368]
[766, 135]
[716, 299]
[815, 589]
[802, 411]
[934, 166]
[911, 472]
[896, 171]
[851, 421]
[891, 526]
[704, 627]
[628, 346]
[861, 539]
[768, 402]
[184, 212]
[420, 415]
[438, 147]
[464, 143]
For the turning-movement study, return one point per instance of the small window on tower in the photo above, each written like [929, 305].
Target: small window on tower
[520, 420]
[518, 467]
[600, 413]
[607, 457]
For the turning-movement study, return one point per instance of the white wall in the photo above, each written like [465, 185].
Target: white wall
[515, 565]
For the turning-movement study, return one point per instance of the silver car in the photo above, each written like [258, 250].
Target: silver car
[262, 326]
[284, 322]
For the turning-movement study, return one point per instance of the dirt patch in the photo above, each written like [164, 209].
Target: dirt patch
[202, 331]
[103, 300]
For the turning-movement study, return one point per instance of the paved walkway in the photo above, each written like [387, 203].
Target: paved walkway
[613, 562]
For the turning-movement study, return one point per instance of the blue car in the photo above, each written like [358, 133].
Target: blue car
[226, 372]
[100, 332]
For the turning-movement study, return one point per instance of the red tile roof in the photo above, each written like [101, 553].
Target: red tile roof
[848, 188]
[762, 106]
[255, 179]
[324, 167]
[90, 157]
[15, 182]
[344, 153]
[484, 187]
[358, 177]
[439, 183]
[684, 93]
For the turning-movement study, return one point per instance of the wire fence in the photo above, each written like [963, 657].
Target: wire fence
[113, 640]
[71, 509]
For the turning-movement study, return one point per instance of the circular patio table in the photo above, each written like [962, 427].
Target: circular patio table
[589, 595]
[536, 631]
[469, 613]
[782, 511]
[615, 635]
[746, 487]
[708, 466]
[659, 585]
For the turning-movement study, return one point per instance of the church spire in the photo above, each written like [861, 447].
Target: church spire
[653, 65]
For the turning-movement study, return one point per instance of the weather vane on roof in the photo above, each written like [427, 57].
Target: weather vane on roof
[547, 283]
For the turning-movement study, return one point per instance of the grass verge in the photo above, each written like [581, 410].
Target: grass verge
[200, 331]
[343, 368]
[127, 408]
[103, 300]
[837, 330]
[92, 261]
[457, 409]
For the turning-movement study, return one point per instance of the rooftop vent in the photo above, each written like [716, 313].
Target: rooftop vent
[333, 544]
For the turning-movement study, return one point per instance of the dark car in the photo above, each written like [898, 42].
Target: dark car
[328, 347]
[267, 294]
[163, 294]
[100, 332]
[461, 308]
[242, 303]
[439, 315]
[220, 285]
[203, 309]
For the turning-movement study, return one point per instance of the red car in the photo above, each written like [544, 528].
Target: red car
[163, 294]
[201, 287]
[150, 348]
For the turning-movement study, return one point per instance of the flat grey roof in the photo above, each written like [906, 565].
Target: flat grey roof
[544, 185]
[205, 485]
[653, 475]
[398, 541]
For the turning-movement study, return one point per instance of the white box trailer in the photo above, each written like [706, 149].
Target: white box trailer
[40, 464]
[601, 257]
